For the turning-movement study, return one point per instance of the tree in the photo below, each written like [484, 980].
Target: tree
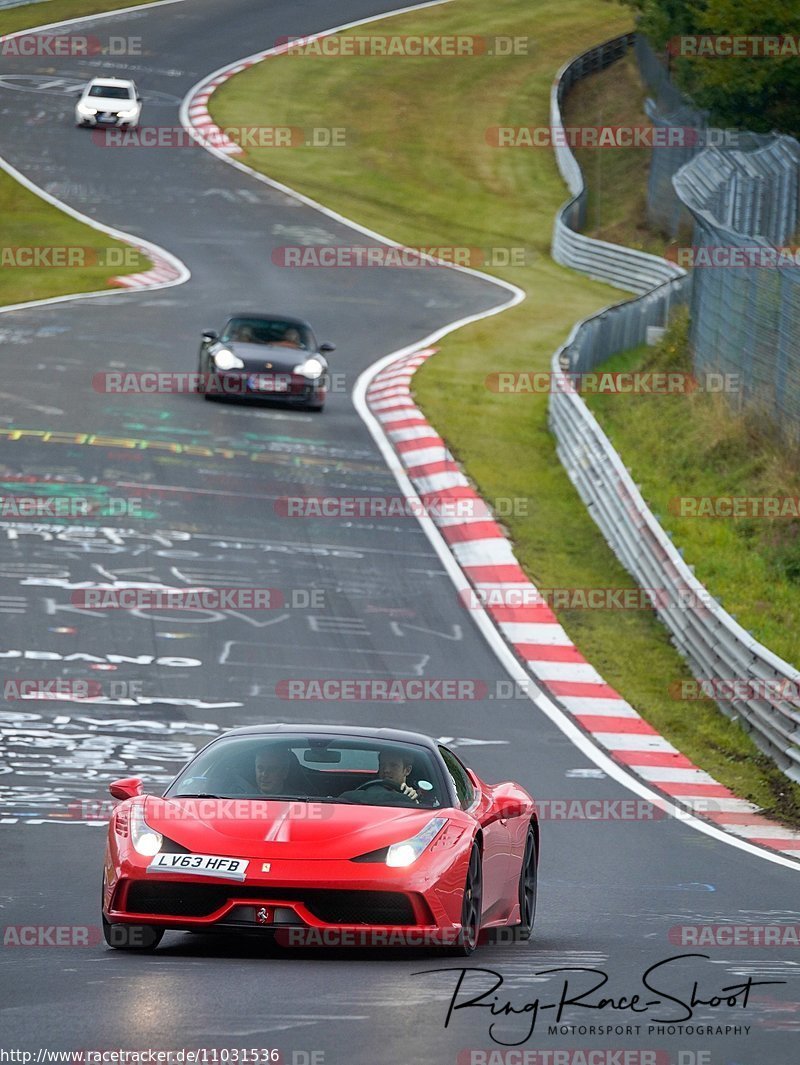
[757, 91]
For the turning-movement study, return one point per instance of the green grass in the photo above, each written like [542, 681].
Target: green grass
[30, 15]
[616, 178]
[696, 445]
[28, 222]
[424, 174]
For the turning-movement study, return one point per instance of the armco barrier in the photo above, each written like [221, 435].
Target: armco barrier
[714, 645]
[626, 268]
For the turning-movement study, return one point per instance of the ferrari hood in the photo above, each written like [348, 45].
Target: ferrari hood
[274, 828]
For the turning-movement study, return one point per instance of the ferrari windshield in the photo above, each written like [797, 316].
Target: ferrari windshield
[333, 769]
[273, 331]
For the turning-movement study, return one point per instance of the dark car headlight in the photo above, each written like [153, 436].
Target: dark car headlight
[226, 360]
[313, 368]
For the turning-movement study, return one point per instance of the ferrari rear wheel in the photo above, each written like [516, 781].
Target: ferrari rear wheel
[471, 906]
[131, 936]
[528, 881]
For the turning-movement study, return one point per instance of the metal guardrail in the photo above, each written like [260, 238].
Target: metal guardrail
[626, 268]
[716, 647]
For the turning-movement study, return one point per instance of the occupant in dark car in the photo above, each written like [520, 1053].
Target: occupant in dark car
[290, 339]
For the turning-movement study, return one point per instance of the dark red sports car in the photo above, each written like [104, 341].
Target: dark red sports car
[322, 835]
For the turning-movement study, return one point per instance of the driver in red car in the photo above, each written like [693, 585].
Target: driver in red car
[394, 767]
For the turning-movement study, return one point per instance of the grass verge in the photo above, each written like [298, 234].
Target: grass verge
[427, 175]
[32, 230]
[29, 16]
[679, 447]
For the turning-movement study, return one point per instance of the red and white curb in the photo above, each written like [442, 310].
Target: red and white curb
[486, 558]
[197, 113]
[200, 119]
[164, 271]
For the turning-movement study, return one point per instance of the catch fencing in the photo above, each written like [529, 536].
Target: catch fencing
[713, 643]
[745, 316]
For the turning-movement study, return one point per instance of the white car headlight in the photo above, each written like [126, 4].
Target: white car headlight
[407, 851]
[226, 360]
[127, 114]
[86, 109]
[144, 838]
[312, 368]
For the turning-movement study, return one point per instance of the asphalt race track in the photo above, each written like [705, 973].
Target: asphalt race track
[209, 477]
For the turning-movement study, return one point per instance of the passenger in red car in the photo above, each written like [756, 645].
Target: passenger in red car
[273, 766]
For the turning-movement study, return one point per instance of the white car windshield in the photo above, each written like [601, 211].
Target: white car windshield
[111, 92]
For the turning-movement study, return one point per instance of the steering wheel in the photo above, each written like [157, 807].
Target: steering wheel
[391, 785]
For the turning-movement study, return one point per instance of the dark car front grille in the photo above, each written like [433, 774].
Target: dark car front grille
[332, 907]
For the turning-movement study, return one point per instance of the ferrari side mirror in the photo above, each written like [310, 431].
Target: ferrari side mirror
[127, 788]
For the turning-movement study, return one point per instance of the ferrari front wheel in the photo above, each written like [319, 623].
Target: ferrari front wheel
[471, 906]
[131, 936]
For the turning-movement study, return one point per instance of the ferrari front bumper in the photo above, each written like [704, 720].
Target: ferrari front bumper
[330, 903]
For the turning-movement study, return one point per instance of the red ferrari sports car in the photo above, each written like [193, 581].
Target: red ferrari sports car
[322, 835]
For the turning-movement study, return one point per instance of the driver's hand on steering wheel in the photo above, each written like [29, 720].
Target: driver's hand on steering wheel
[409, 791]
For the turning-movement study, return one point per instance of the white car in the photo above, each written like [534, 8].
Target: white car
[109, 102]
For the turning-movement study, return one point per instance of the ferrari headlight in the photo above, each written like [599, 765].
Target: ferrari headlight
[144, 838]
[407, 851]
[226, 360]
[312, 368]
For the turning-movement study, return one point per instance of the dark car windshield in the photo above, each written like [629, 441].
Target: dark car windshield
[353, 770]
[111, 92]
[273, 331]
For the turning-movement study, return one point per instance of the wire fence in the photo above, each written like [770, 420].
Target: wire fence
[745, 310]
[668, 108]
[739, 193]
